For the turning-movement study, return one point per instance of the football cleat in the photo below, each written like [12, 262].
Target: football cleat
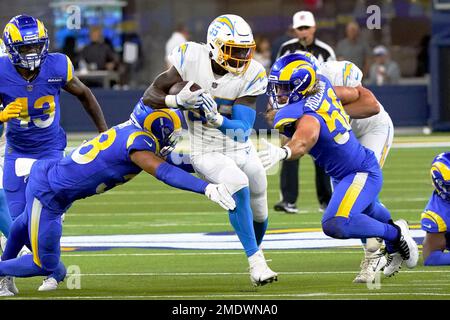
[408, 247]
[260, 273]
[11, 284]
[4, 291]
[407, 251]
[286, 207]
[48, 284]
[370, 265]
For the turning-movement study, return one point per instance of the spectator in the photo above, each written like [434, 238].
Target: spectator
[353, 48]
[179, 36]
[262, 52]
[304, 25]
[70, 49]
[98, 55]
[383, 70]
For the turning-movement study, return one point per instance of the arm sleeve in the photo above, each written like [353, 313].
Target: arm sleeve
[242, 121]
[180, 179]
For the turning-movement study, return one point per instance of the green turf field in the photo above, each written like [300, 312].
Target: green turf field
[145, 206]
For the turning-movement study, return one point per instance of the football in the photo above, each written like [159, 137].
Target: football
[177, 87]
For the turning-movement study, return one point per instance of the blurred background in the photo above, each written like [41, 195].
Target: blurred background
[118, 47]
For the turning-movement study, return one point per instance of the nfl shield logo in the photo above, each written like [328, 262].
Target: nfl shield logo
[29, 88]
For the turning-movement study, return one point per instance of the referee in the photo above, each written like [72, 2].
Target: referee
[304, 25]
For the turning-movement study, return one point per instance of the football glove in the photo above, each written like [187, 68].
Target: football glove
[272, 154]
[219, 194]
[185, 99]
[209, 107]
[11, 111]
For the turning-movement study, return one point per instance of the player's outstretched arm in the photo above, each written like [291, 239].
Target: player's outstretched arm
[365, 106]
[89, 102]
[180, 179]
[305, 137]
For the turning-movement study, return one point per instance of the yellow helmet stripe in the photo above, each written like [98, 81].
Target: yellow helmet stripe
[313, 78]
[13, 32]
[166, 113]
[41, 28]
[286, 74]
[442, 168]
[224, 19]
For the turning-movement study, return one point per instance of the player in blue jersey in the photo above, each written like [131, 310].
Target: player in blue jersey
[312, 116]
[110, 159]
[436, 216]
[30, 84]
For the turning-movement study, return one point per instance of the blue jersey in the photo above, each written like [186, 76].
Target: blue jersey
[37, 129]
[94, 167]
[337, 150]
[436, 216]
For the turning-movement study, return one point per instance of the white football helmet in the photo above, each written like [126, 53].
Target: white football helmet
[230, 41]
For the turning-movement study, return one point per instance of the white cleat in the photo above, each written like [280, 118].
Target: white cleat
[260, 273]
[393, 265]
[407, 251]
[11, 284]
[4, 291]
[49, 284]
[408, 247]
[3, 242]
[370, 266]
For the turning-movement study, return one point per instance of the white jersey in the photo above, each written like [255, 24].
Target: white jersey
[347, 74]
[193, 63]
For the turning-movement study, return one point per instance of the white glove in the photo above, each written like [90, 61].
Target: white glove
[220, 194]
[209, 107]
[273, 154]
[185, 99]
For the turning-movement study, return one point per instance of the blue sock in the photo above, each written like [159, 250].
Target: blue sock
[241, 219]
[59, 273]
[22, 267]
[260, 230]
[5, 217]
[437, 258]
[18, 237]
[359, 226]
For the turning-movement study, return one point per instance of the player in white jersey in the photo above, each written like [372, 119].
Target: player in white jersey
[220, 118]
[376, 133]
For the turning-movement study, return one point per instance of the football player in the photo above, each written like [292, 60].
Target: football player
[110, 159]
[436, 216]
[30, 82]
[313, 117]
[221, 150]
[374, 129]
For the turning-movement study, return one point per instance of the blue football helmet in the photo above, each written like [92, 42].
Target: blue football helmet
[26, 41]
[440, 175]
[292, 76]
[163, 124]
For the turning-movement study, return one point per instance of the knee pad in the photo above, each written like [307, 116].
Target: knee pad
[49, 262]
[335, 228]
[258, 202]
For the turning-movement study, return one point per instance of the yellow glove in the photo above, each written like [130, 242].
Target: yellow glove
[11, 111]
